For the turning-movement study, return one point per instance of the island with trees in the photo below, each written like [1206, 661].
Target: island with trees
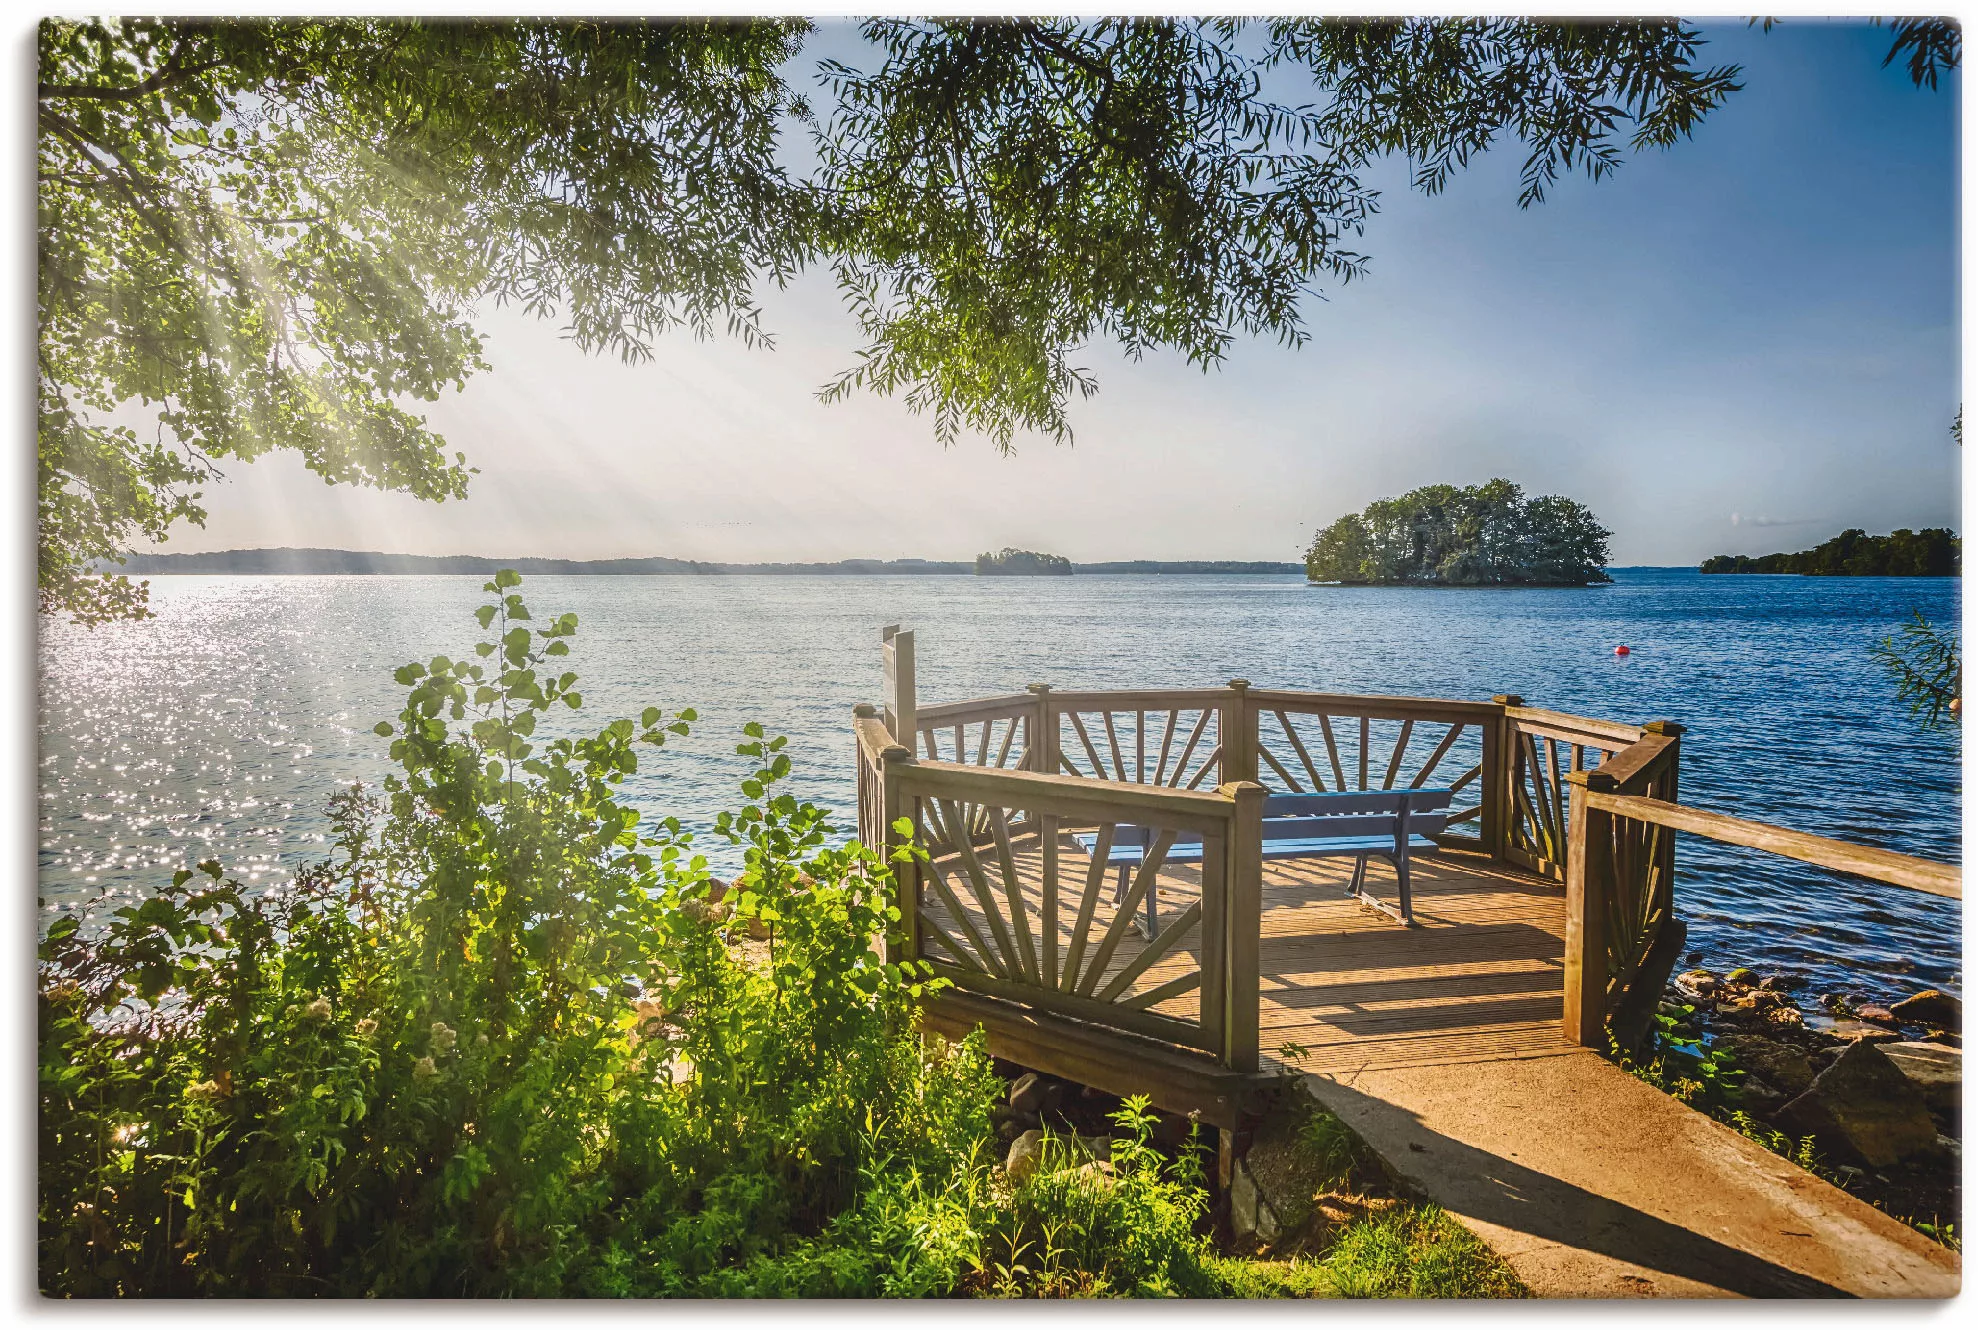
[1476, 536]
[1021, 563]
[1935, 551]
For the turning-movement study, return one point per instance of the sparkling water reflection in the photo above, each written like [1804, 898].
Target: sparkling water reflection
[221, 727]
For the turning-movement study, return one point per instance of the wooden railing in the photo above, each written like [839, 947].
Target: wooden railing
[1378, 743]
[1622, 818]
[995, 789]
[990, 906]
[1539, 750]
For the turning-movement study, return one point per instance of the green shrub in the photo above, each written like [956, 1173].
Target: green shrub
[500, 1043]
[506, 1041]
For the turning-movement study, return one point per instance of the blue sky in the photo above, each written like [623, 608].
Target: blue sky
[1745, 343]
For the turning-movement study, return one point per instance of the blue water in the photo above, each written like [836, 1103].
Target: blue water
[220, 727]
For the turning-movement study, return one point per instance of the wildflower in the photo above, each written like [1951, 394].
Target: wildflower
[424, 1069]
[319, 1010]
[444, 1037]
[366, 1028]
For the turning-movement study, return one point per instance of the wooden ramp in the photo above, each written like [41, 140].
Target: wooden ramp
[1442, 1046]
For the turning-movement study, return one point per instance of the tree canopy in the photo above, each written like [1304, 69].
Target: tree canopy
[1482, 535]
[266, 235]
[1935, 551]
[1010, 562]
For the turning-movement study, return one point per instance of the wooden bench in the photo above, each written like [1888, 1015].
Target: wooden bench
[1378, 823]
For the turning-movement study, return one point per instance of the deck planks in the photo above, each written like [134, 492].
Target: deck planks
[1344, 988]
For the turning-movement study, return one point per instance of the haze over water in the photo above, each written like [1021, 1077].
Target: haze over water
[221, 727]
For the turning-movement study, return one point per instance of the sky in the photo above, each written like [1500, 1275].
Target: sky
[1743, 344]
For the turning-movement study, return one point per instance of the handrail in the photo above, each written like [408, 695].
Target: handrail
[1574, 729]
[1190, 810]
[976, 708]
[1872, 862]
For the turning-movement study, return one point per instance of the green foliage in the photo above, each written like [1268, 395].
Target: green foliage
[1926, 661]
[1932, 552]
[510, 1041]
[502, 1042]
[1407, 1252]
[1480, 535]
[269, 234]
[1021, 563]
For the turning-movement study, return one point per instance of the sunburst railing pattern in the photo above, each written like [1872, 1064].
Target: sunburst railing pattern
[1015, 802]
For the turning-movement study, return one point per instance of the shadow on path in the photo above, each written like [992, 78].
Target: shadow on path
[1488, 1187]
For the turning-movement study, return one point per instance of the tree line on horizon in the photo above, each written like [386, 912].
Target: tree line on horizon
[1934, 551]
[1009, 562]
[1479, 535]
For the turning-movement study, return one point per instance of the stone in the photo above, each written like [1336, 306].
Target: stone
[1097, 1173]
[1859, 1032]
[1025, 1152]
[1862, 1107]
[1698, 985]
[1028, 1093]
[1937, 1072]
[1250, 1211]
[1931, 1008]
[1758, 1097]
[1244, 1202]
[1875, 1015]
[1782, 1065]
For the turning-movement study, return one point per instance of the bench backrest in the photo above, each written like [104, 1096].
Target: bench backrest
[1324, 816]
[1357, 813]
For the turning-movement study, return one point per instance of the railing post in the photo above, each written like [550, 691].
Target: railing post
[895, 804]
[1239, 734]
[1667, 786]
[1498, 748]
[1243, 885]
[902, 707]
[1044, 738]
[1589, 887]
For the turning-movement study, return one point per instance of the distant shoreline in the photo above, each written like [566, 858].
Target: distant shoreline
[308, 562]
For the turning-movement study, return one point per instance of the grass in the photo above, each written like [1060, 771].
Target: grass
[1411, 1251]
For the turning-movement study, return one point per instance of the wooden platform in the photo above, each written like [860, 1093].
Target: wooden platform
[1480, 977]
[1344, 987]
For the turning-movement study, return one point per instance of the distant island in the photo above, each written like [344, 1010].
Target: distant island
[1932, 552]
[1021, 563]
[1487, 535]
[299, 562]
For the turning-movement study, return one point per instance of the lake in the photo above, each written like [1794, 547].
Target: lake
[220, 727]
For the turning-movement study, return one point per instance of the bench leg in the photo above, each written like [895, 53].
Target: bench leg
[1359, 892]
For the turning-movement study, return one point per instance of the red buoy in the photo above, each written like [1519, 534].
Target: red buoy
[1620, 651]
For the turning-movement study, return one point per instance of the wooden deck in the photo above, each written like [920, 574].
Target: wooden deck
[1479, 979]
[1343, 987]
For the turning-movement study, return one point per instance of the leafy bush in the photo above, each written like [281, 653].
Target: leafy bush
[507, 1041]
